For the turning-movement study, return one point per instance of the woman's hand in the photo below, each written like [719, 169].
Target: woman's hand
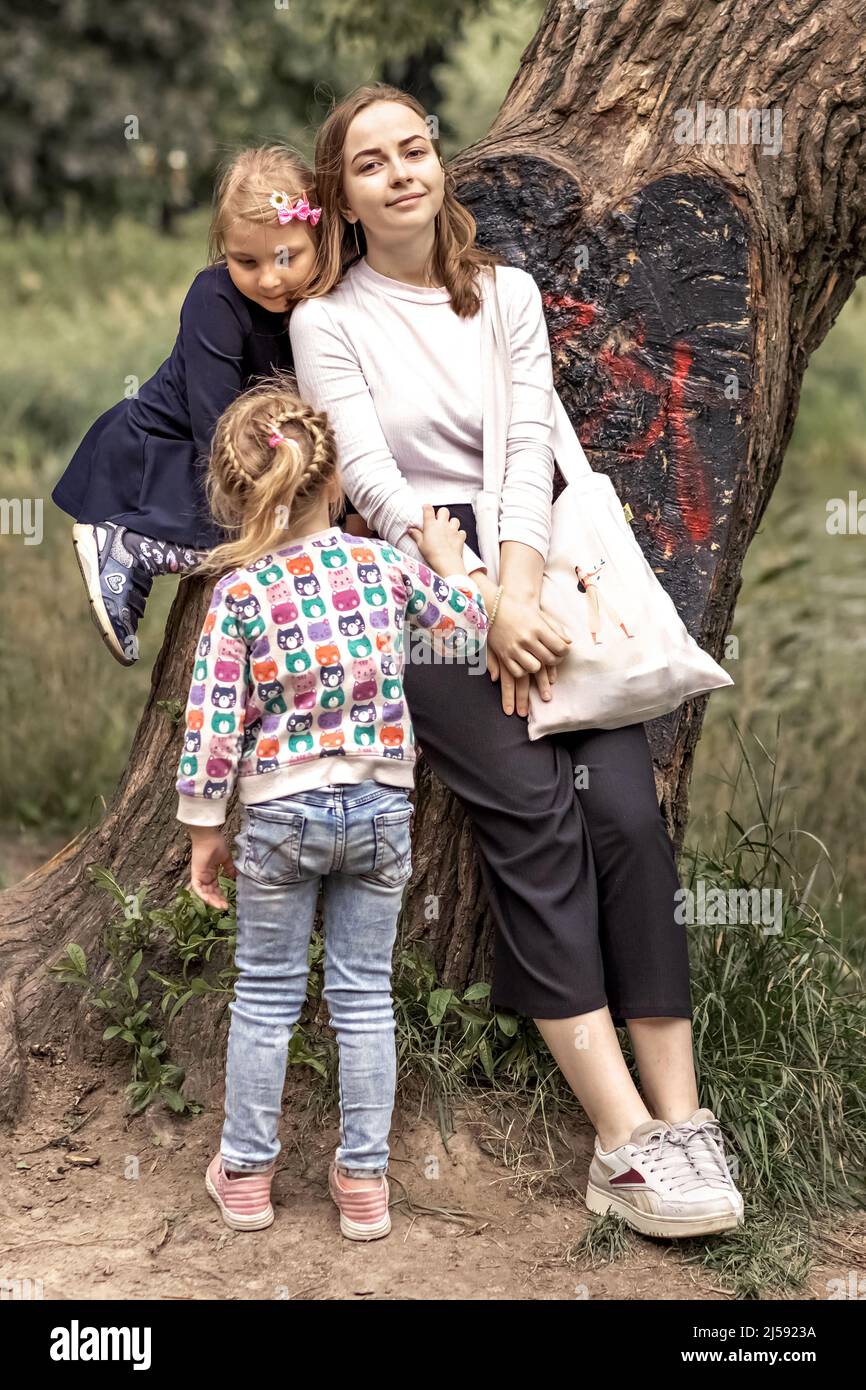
[525, 638]
[515, 693]
[524, 644]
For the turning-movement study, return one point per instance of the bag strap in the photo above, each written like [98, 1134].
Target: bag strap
[496, 403]
[496, 384]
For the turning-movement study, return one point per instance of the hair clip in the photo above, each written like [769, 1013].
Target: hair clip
[286, 209]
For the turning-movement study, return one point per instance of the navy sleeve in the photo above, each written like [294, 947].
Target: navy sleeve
[212, 334]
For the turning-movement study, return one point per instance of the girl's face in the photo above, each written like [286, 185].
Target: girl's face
[268, 263]
[393, 182]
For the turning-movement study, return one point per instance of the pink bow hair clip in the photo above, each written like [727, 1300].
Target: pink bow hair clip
[286, 210]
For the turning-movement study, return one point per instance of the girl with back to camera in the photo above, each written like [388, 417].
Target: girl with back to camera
[582, 879]
[297, 695]
[136, 482]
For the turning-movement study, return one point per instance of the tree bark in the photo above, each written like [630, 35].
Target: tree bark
[685, 286]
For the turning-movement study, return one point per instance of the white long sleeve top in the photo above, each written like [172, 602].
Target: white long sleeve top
[399, 374]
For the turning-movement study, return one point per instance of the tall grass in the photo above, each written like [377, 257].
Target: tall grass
[83, 317]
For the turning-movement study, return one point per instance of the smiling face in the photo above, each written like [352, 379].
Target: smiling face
[393, 181]
[269, 263]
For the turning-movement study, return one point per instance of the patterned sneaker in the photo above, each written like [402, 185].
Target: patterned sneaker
[364, 1211]
[116, 586]
[245, 1202]
[651, 1182]
[706, 1149]
[160, 557]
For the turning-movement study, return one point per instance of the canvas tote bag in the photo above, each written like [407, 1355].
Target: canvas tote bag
[631, 656]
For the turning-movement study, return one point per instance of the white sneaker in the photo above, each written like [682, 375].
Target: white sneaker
[706, 1149]
[652, 1183]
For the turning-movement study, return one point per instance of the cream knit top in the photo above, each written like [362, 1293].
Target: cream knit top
[399, 374]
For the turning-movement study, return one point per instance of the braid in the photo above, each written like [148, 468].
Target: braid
[321, 454]
[246, 482]
[239, 475]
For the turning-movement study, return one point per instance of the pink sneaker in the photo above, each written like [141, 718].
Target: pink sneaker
[245, 1203]
[364, 1211]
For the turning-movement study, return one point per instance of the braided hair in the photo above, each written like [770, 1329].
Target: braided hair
[272, 458]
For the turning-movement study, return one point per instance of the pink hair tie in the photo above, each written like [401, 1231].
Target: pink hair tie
[275, 438]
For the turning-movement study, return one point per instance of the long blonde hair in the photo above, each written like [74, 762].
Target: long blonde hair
[455, 259]
[258, 492]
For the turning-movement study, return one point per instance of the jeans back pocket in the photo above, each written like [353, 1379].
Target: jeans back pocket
[270, 846]
[392, 864]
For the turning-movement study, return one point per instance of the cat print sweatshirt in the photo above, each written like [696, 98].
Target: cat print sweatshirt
[297, 680]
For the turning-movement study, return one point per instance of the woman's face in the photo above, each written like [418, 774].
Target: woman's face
[268, 263]
[393, 182]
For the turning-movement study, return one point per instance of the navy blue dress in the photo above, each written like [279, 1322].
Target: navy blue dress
[144, 462]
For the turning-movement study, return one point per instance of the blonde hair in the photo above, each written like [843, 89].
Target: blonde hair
[258, 492]
[455, 260]
[245, 185]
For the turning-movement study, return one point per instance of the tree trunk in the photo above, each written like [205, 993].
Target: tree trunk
[686, 284]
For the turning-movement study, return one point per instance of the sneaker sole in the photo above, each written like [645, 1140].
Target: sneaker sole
[355, 1230]
[651, 1225]
[88, 563]
[257, 1221]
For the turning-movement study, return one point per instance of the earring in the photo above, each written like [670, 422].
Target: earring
[355, 230]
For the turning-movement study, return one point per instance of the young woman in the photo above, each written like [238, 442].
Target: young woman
[581, 872]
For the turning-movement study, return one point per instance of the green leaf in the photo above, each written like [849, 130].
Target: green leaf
[151, 1064]
[507, 1024]
[477, 991]
[179, 1003]
[112, 1031]
[437, 1005]
[78, 958]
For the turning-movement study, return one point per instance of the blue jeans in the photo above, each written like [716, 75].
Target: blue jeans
[354, 840]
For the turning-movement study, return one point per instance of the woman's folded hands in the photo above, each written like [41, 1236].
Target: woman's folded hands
[524, 644]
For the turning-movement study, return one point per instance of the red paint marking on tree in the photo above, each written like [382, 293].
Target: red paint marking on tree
[624, 372]
[582, 316]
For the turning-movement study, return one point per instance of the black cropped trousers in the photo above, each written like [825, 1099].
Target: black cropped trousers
[581, 878]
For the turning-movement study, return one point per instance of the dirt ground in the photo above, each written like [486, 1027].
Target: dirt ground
[98, 1204]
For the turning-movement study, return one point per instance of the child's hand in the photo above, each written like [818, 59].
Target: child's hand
[440, 540]
[210, 852]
